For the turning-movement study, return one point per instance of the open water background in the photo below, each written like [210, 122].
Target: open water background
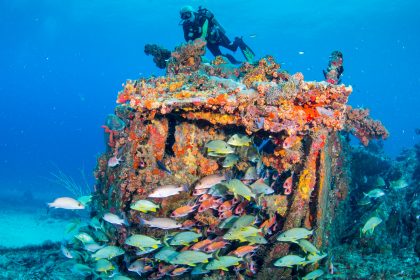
[63, 62]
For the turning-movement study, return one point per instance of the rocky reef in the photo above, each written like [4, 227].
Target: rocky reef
[388, 189]
[274, 146]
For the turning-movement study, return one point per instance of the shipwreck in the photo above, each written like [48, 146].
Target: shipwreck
[275, 129]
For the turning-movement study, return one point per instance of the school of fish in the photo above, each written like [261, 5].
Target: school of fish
[230, 245]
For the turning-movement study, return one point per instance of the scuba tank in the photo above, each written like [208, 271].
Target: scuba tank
[210, 16]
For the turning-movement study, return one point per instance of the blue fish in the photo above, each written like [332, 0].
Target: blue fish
[163, 167]
[263, 143]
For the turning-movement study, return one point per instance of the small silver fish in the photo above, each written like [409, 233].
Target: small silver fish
[113, 219]
[250, 174]
[209, 181]
[93, 247]
[259, 187]
[66, 203]
[168, 190]
[375, 193]
[66, 252]
[114, 161]
[138, 266]
[162, 223]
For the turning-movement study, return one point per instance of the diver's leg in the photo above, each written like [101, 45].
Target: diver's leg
[238, 42]
[231, 58]
[225, 42]
[215, 50]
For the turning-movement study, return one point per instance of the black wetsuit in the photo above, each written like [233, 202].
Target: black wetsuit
[216, 36]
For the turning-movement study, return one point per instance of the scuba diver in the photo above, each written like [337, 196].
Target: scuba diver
[202, 24]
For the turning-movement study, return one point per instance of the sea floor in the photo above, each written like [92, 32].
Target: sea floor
[43, 262]
[29, 227]
[351, 262]
[30, 237]
[30, 249]
[27, 221]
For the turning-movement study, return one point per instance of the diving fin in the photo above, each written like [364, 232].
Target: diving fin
[246, 50]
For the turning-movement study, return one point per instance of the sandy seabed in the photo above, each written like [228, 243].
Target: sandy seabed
[29, 227]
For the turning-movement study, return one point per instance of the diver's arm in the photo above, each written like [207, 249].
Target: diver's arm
[186, 37]
[204, 30]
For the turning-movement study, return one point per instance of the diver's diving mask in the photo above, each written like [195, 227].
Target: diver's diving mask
[186, 15]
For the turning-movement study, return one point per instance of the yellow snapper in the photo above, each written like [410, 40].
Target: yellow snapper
[223, 263]
[185, 238]
[103, 265]
[144, 206]
[242, 234]
[294, 234]
[219, 147]
[190, 258]
[238, 188]
[313, 258]
[239, 140]
[84, 238]
[166, 254]
[142, 241]
[313, 275]
[228, 223]
[199, 269]
[257, 239]
[307, 246]
[250, 174]
[242, 221]
[371, 224]
[289, 261]
[108, 252]
[93, 247]
[230, 160]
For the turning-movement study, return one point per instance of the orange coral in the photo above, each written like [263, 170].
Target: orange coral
[183, 94]
[220, 99]
[175, 86]
[211, 117]
[208, 166]
[158, 132]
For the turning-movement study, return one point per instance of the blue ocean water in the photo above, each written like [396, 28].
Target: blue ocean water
[63, 62]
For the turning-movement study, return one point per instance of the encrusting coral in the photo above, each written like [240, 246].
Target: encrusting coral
[363, 126]
[286, 132]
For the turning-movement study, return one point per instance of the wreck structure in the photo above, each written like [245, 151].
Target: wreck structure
[159, 133]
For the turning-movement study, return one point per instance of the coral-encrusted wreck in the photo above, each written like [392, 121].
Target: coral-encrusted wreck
[158, 137]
